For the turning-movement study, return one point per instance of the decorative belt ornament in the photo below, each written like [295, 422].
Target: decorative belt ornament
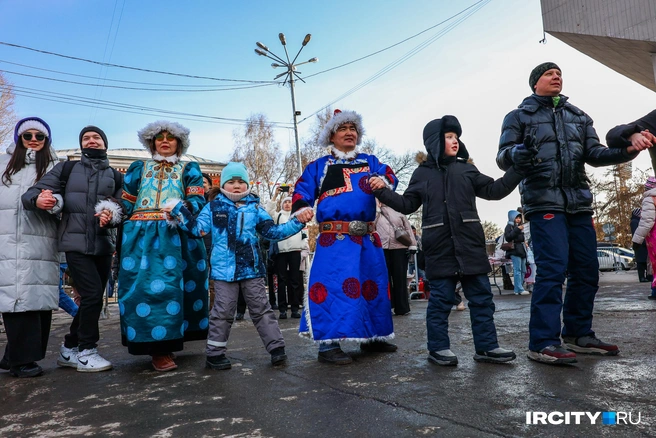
[354, 228]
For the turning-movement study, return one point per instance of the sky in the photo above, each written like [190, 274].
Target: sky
[475, 67]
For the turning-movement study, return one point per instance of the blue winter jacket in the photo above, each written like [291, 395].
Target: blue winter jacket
[235, 253]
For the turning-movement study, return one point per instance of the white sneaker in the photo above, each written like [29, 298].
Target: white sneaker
[89, 361]
[67, 357]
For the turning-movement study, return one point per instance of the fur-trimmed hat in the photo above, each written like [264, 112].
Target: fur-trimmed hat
[31, 123]
[650, 183]
[232, 170]
[538, 71]
[148, 133]
[338, 119]
[286, 198]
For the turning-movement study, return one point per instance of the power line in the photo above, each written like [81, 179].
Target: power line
[106, 64]
[155, 84]
[403, 58]
[395, 44]
[123, 107]
[135, 88]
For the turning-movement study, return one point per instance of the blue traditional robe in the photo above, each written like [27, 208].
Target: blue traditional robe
[163, 277]
[348, 297]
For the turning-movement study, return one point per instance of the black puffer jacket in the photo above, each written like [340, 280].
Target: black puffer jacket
[618, 137]
[91, 181]
[566, 141]
[452, 236]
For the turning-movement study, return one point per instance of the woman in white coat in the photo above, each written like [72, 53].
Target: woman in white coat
[29, 260]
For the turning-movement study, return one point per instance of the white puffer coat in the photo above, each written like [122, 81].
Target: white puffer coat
[29, 260]
[647, 217]
[294, 243]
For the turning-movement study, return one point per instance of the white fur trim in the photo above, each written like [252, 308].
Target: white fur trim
[32, 124]
[113, 207]
[149, 132]
[296, 213]
[172, 203]
[172, 159]
[343, 155]
[336, 121]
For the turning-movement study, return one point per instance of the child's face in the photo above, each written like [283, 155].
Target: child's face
[235, 185]
[451, 144]
[518, 220]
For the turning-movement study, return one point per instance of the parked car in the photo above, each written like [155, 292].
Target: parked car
[609, 261]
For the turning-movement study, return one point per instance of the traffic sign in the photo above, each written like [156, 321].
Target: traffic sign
[608, 228]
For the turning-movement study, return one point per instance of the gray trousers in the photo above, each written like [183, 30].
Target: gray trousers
[259, 309]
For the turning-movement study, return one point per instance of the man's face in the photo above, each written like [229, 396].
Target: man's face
[550, 83]
[451, 144]
[346, 137]
[92, 140]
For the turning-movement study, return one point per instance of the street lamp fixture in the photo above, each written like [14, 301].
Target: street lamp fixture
[291, 76]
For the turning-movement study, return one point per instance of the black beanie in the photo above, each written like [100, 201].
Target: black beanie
[538, 71]
[97, 131]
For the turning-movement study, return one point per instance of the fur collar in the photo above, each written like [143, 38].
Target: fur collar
[173, 159]
[343, 155]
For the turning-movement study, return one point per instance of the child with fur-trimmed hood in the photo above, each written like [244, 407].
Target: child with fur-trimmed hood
[447, 185]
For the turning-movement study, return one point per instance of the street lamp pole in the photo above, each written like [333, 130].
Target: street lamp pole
[290, 72]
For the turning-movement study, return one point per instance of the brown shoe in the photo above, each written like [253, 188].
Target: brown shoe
[163, 362]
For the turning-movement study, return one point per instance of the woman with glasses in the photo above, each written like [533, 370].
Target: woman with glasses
[29, 261]
[163, 283]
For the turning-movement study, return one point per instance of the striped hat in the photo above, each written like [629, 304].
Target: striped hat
[650, 184]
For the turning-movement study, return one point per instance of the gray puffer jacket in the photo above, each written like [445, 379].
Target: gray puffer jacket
[29, 261]
[90, 181]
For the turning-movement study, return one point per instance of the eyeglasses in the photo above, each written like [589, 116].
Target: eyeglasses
[169, 137]
[28, 136]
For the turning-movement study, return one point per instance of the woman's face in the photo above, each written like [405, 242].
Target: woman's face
[166, 144]
[287, 205]
[33, 143]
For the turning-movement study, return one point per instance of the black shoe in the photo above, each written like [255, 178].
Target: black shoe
[296, 314]
[28, 370]
[4, 364]
[652, 297]
[239, 316]
[283, 315]
[335, 356]
[378, 347]
[278, 356]
[448, 361]
[498, 355]
[274, 306]
[218, 362]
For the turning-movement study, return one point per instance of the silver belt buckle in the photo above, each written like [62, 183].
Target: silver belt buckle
[357, 228]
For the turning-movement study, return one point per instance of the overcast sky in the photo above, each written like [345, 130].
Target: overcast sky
[476, 70]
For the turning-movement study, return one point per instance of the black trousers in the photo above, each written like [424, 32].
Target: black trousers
[397, 274]
[90, 274]
[271, 270]
[27, 336]
[290, 290]
[642, 271]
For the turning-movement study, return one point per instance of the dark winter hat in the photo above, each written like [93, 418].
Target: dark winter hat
[97, 130]
[207, 177]
[538, 71]
[31, 123]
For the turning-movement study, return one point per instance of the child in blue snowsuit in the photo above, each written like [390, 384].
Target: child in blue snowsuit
[234, 218]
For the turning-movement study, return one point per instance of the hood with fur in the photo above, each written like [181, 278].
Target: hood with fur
[512, 215]
[434, 139]
[148, 133]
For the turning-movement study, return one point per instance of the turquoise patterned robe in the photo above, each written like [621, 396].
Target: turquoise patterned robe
[163, 277]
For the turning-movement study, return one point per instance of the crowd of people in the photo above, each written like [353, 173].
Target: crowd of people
[176, 237]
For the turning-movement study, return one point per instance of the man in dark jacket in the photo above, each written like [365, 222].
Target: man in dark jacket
[87, 190]
[557, 201]
[453, 240]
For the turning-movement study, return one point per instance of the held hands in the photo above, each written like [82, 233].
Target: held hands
[45, 200]
[105, 216]
[376, 183]
[305, 216]
[641, 141]
[168, 209]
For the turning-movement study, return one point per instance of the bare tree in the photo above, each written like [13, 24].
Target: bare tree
[491, 230]
[7, 116]
[257, 149]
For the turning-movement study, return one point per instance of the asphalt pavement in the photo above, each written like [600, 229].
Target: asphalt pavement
[380, 395]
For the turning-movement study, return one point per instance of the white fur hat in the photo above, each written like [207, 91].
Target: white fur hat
[339, 118]
[149, 132]
[286, 198]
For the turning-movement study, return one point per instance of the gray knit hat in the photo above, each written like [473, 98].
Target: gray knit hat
[538, 71]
